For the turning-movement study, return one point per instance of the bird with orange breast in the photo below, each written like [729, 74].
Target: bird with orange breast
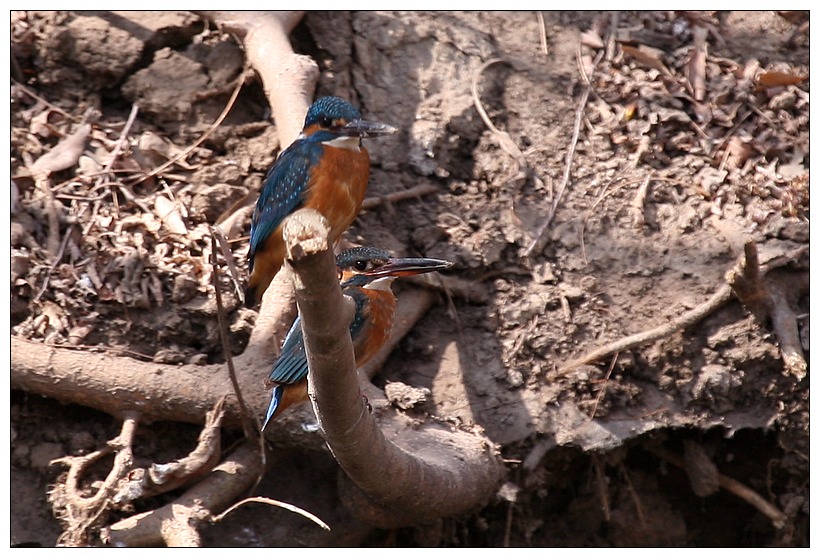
[326, 168]
[366, 275]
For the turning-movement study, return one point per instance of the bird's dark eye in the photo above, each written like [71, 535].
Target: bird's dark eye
[360, 265]
[326, 121]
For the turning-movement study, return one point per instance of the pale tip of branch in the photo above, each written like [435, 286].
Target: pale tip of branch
[306, 232]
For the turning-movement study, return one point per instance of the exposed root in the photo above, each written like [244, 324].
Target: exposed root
[175, 524]
[79, 513]
[82, 513]
[162, 478]
[768, 301]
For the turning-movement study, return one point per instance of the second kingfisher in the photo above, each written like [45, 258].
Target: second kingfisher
[366, 275]
[326, 168]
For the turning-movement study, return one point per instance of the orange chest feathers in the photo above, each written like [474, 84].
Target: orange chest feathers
[377, 314]
[338, 186]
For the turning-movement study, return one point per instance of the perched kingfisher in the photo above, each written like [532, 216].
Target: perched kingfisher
[366, 275]
[326, 168]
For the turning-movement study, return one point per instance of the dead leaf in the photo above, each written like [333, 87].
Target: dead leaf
[65, 154]
[778, 79]
[648, 57]
[591, 39]
[158, 150]
[55, 317]
[168, 212]
[738, 152]
[42, 124]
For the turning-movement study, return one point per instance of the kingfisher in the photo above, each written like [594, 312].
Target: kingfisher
[326, 168]
[366, 275]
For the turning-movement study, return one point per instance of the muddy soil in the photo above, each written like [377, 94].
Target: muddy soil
[692, 139]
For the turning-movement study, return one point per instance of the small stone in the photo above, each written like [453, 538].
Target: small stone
[405, 397]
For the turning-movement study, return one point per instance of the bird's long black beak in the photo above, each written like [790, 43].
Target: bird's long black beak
[402, 267]
[367, 129]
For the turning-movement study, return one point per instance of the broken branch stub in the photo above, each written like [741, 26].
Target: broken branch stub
[423, 472]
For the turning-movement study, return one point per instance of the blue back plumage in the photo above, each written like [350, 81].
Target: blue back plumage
[283, 190]
[292, 366]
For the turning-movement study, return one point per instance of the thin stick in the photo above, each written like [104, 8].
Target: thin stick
[542, 32]
[639, 203]
[414, 192]
[777, 517]
[721, 297]
[36, 97]
[57, 257]
[247, 424]
[119, 146]
[603, 387]
[602, 486]
[634, 495]
[508, 525]
[272, 502]
[216, 232]
[503, 138]
[540, 236]
[687, 319]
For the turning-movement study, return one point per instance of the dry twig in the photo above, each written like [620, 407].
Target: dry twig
[503, 138]
[682, 321]
[415, 192]
[540, 237]
[542, 33]
[274, 503]
[777, 517]
[638, 205]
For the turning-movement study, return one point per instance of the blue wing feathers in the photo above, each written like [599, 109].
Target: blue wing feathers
[276, 398]
[283, 190]
[291, 366]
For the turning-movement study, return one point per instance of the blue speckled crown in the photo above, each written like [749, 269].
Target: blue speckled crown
[333, 108]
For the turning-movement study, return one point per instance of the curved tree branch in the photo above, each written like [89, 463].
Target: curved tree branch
[439, 471]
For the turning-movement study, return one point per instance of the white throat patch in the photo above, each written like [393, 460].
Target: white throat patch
[381, 284]
[344, 142]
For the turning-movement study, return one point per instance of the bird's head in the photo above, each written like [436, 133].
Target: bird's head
[332, 118]
[364, 265]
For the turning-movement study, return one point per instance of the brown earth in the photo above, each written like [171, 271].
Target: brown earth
[679, 162]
